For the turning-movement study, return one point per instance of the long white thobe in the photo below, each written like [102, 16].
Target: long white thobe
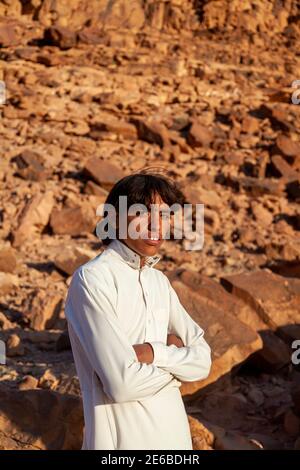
[112, 304]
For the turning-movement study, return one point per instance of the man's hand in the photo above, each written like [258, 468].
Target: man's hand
[174, 339]
[145, 352]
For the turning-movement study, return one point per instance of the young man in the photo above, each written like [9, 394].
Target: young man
[132, 340]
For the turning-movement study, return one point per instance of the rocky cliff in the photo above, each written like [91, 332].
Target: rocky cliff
[93, 90]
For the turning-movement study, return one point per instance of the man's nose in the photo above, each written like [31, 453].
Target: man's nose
[154, 223]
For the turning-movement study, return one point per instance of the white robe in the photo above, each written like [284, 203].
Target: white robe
[112, 304]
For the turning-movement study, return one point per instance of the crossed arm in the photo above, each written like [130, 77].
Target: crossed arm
[145, 352]
[186, 355]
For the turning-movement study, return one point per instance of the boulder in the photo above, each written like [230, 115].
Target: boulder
[8, 36]
[231, 340]
[202, 437]
[153, 132]
[14, 346]
[42, 309]
[28, 382]
[73, 220]
[275, 299]
[60, 36]
[199, 135]
[69, 259]
[40, 419]
[30, 166]
[104, 173]
[33, 218]
[113, 125]
[8, 260]
[8, 282]
[287, 146]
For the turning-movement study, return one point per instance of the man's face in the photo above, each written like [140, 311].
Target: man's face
[152, 227]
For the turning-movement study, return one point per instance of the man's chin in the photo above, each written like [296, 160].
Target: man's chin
[145, 248]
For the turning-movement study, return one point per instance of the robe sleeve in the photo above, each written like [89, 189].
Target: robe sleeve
[191, 362]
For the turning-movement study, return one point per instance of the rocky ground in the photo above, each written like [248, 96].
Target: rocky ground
[202, 89]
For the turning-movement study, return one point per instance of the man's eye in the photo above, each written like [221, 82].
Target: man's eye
[142, 213]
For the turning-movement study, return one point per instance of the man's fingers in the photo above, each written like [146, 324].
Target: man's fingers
[174, 339]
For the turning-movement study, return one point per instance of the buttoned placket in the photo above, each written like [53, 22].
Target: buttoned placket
[149, 315]
[134, 260]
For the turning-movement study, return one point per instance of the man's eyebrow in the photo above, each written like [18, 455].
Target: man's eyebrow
[163, 210]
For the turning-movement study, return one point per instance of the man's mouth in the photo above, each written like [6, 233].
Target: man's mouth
[152, 240]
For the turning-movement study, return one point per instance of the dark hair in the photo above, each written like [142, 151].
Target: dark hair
[141, 188]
